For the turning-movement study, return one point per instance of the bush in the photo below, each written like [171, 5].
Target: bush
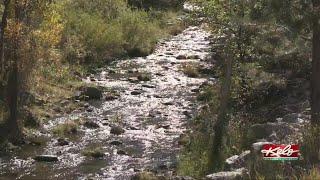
[107, 29]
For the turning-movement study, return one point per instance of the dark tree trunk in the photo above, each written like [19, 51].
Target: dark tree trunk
[2, 37]
[14, 130]
[215, 159]
[315, 78]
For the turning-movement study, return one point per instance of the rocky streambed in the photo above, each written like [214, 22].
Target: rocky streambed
[137, 124]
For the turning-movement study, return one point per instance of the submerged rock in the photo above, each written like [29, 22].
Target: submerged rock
[46, 158]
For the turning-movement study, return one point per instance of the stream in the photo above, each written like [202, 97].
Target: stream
[154, 114]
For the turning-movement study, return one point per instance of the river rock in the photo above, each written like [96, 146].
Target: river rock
[116, 143]
[111, 97]
[133, 80]
[46, 158]
[121, 152]
[148, 86]
[91, 125]
[117, 130]
[228, 175]
[136, 92]
[181, 57]
[63, 142]
[92, 92]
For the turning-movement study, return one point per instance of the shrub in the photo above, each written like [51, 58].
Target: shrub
[65, 129]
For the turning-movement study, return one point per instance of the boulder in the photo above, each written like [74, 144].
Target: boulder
[228, 175]
[237, 161]
[46, 158]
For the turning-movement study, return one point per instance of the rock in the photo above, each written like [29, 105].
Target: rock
[144, 77]
[258, 145]
[136, 93]
[111, 97]
[26, 98]
[237, 161]
[112, 71]
[133, 80]
[193, 57]
[262, 131]
[116, 143]
[117, 130]
[148, 86]
[228, 175]
[92, 92]
[91, 125]
[121, 152]
[63, 142]
[168, 103]
[187, 114]
[46, 158]
[166, 126]
[293, 118]
[168, 53]
[181, 57]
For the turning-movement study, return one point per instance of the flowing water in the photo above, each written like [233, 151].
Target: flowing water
[154, 114]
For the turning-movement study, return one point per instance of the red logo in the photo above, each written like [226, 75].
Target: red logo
[281, 152]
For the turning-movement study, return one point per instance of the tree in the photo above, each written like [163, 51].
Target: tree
[315, 79]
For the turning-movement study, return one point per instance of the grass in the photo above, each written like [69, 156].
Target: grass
[191, 70]
[95, 152]
[66, 129]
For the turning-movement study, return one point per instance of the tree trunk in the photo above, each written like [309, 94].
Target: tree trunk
[315, 78]
[215, 159]
[3, 26]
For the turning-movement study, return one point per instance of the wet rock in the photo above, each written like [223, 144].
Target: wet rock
[92, 93]
[131, 71]
[237, 161]
[111, 97]
[136, 92]
[63, 142]
[117, 130]
[170, 103]
[112, 71]
[181, 57]
[187, 114]
[121, 152]
[193, 57]
[228, 175]
[46, 158]
[91, 125]
[133, 80]
[116, 143]
[165, 126]
[148, 86]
